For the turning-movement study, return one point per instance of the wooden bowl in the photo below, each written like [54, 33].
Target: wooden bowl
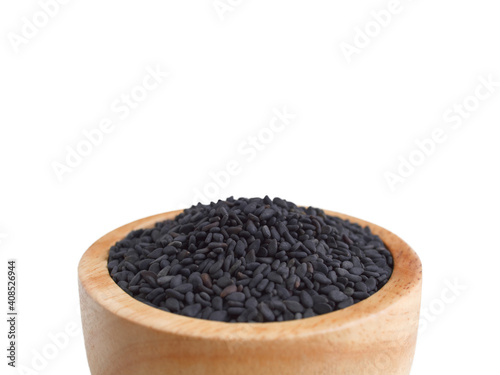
[126, 337]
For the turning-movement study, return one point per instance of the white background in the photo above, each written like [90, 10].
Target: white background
[353, 120]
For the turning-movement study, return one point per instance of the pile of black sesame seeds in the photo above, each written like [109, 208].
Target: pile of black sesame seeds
[251, 260]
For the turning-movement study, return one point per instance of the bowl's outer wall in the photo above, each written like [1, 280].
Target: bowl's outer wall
[363, 339]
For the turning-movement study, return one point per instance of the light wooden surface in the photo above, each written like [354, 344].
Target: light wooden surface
[126, 337]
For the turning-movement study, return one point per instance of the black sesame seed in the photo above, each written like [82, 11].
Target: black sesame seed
[191, 310]
[176, 281]
[322, 279]
[236, 296]
[220, 316]
[189, 298]
[267, 214]
[235, 310]
[172, 304]
[293, 306]
[348, 302]
[267, 313]
[184, 288]
[337, 296]
[371, 284]
[322, 308]
[174, 294]
[217, 303]
[356, 271]
[306, 299]
[251, 260]
[275, 277]
[251, 302]
[228, 290]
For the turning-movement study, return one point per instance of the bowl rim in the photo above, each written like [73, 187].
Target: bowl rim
[95, 281]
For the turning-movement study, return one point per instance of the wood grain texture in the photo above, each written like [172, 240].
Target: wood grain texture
[124, 336]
